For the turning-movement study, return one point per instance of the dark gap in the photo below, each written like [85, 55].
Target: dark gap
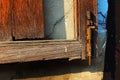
[110, 53]
[26, 39]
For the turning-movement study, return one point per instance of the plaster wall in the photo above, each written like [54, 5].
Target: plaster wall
[59, 19]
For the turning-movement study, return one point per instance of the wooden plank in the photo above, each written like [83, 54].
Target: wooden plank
[76, 18]
[5, 17]
[28, 19]
[21, 51]
[116, 23]
[84, 6]
[69, 6]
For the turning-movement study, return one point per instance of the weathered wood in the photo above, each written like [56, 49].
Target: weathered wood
[5, 17]
[24, 51]
[83, 7]
[21, 19]
[28, 19]
[112, 55]
[37, 50]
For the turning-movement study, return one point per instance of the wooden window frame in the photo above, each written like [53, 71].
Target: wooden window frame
[25, 51]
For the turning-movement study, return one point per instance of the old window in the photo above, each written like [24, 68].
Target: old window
[31, 19]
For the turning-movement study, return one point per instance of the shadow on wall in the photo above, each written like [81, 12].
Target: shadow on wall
[54, 19]
[46, 70]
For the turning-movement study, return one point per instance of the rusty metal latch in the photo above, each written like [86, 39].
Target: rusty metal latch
[89, 42]
[90, 25]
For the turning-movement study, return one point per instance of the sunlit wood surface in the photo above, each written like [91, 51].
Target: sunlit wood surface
[21, 19]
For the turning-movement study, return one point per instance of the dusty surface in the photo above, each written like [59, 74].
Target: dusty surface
[56, 69]
[52, 70]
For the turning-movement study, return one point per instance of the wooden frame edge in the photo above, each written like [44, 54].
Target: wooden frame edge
[25, 51]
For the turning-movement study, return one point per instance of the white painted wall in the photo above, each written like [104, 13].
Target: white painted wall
[59, 21]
